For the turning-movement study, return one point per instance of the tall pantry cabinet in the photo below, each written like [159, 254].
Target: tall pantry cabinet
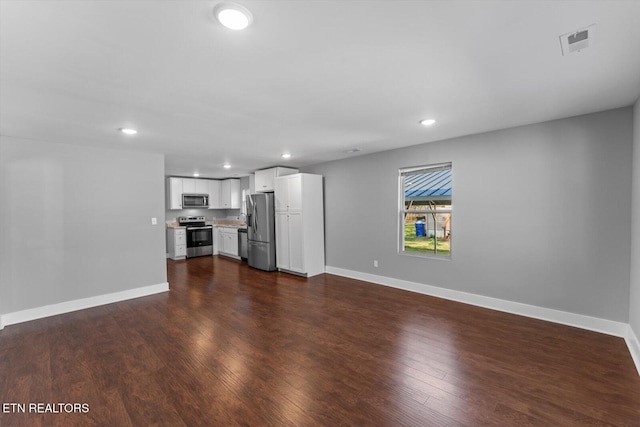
[299, 224]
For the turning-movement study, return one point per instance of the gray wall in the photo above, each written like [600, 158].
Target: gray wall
[76, 222]
[634, 294]
[541, 214]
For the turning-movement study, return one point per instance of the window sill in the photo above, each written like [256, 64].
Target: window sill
[428, 256]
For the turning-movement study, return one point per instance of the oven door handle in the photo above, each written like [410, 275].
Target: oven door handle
[206, 227]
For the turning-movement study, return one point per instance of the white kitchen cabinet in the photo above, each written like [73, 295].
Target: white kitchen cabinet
[297, 254]
[230, 194]
[300, 224]
[265, 178]
[213, 189]
[290, 242]
[176, 186]
[174, 193]
[195, 186]
[252, 183]
[177, 243]
[282, 241]
[188, 185]
[288, 193]
[229, 242]
[202, 186]
[235, 194]
[217, 240]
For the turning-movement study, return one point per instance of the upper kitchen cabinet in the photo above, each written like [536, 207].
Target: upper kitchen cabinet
[174, 193]
[288, 192]
[222, 194]
[195, 186]
[213, 190]
[230, 194]
[202, 186]
[252, 183]
[265, 178]
[188, 185]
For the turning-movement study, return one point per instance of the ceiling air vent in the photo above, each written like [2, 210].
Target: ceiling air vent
[578, 40]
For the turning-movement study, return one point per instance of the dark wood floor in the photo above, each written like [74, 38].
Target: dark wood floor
[229, 345]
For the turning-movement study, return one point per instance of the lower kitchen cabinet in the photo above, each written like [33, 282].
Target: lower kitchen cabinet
[177, 243]
[299, 244]
[290, 242]
[228, 242]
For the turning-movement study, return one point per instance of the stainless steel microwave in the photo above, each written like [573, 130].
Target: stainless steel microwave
[195, 201]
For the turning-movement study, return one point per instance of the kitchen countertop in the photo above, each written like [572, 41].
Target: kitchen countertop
[235, 227]
[175, 225]
[226, 223]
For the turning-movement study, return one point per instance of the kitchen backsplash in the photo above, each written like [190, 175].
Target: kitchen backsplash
[209, 214]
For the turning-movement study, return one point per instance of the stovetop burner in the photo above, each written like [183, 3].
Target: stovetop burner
[192, 221]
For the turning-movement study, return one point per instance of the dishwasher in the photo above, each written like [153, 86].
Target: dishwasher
[242, 243]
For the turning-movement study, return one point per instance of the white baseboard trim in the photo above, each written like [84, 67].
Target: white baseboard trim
[80, 304]
[604, 326]
[634, 346]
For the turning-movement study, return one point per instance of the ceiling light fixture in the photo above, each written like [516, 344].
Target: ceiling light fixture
[227, 166]
[286, 155]
[427, 122]
[128, 131]
[233, 16]
[196, 174]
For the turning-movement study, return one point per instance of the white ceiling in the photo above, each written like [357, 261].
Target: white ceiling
[315, 78]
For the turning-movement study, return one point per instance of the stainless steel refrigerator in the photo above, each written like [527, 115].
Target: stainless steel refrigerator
[261, 231]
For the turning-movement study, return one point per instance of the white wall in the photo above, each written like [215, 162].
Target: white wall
[542, 214]
[76, 222]
[634, 294]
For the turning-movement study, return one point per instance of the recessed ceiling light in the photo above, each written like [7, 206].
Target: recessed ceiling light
[233, 16]
[227, 166]
[128, 131]
[286, 156]
[196, 174]
[427, 122]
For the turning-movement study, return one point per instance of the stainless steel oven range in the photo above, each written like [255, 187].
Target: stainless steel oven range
[199, 236]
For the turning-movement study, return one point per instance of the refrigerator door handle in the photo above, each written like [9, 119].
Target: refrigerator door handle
[254, 215]
[250, 210]
[255, 218]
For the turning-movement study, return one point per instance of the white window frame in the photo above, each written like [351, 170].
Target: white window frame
[402, 173]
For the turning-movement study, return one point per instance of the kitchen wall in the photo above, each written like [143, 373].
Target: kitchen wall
[541, 214]
[76, 223]
[634, 295]
[172, 215]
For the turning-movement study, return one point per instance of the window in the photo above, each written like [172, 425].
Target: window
[425, 210]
